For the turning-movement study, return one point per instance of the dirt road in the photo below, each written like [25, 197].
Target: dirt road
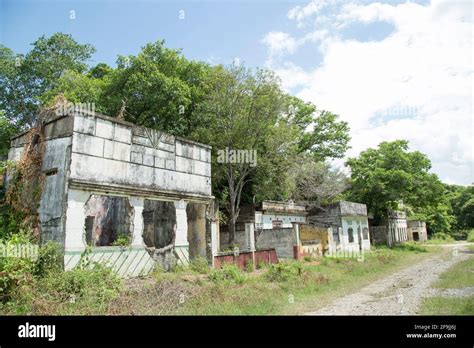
[399, 293]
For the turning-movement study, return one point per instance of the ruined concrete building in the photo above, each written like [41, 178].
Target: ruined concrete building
[416, 231]
[272, 223]
[349, 224]
[135, 195]
[392, 230]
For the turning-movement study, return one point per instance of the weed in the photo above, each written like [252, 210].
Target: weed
[229, 273]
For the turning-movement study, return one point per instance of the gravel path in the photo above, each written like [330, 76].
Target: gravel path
[399, 293]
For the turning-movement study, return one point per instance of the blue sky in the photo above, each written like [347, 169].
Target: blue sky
[391, 69]
[214, 31]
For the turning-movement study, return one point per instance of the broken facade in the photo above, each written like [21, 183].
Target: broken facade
[268, 215]
[348, 222]
[392, 230]
[135, 195]
[416, 231]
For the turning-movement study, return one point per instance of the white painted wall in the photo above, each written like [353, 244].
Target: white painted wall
[354, 222]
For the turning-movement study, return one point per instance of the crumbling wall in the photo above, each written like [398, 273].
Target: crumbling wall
[327, 215]
[281, 239]
[109, 151]
[159, 231]
[107, 219]
[378, 234]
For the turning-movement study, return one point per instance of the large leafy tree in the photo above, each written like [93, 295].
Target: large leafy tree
[24, 79]
[462, 203]
[242, 112]
[321, 133]
[316, 183]
[390, 174]
[158, 88]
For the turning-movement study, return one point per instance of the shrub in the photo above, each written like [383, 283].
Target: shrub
[229, 273]
[98, 283]
[50, 259]
[15, 271]
[122, 240]
[199, 265]
[470, 236]
[249, 267]
[284, 271]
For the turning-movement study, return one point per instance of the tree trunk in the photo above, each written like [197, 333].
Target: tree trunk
[232, 217]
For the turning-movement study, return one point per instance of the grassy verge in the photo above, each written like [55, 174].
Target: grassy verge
[298, 287]
[291, 287]
[448, 306]
[459, 276]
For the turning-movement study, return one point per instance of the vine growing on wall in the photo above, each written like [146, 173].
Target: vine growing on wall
[25, 184]
[19, 208]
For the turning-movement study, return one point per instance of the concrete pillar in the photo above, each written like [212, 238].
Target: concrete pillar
[297, 246]
[137, 204]
[250, 235]
[75, 238]
[181, 224]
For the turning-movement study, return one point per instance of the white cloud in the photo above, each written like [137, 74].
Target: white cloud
[279, 43]
[426, 65]
[300, 13]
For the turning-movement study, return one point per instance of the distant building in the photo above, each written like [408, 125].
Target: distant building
[268, 216]
[349, 224]
[417, 231]
[392, 230]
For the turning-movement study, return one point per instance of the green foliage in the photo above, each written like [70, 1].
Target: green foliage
[411, 246]
[99, 282]
[200, 265]
[122, 240]
[249, 266]
[462, 203]
[441, 237]
[15, 271]
[50, 259]
[7, 130]
[383, 177]
[470, 236]
[77, 88]
[159, 87]
[24, 79]
[229, 273]
[284, 271]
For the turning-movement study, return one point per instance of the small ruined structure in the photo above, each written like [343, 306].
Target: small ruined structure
[271, 225]
[135, 195]
[392, 230]
[348, 223]
[416, 231]
[312, 241]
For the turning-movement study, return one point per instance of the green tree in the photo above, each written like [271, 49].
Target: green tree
[320, 132]
[383, 177]
[7, 130]
[158, 88]
[241, 112]
[25, 78]
[462, 203]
